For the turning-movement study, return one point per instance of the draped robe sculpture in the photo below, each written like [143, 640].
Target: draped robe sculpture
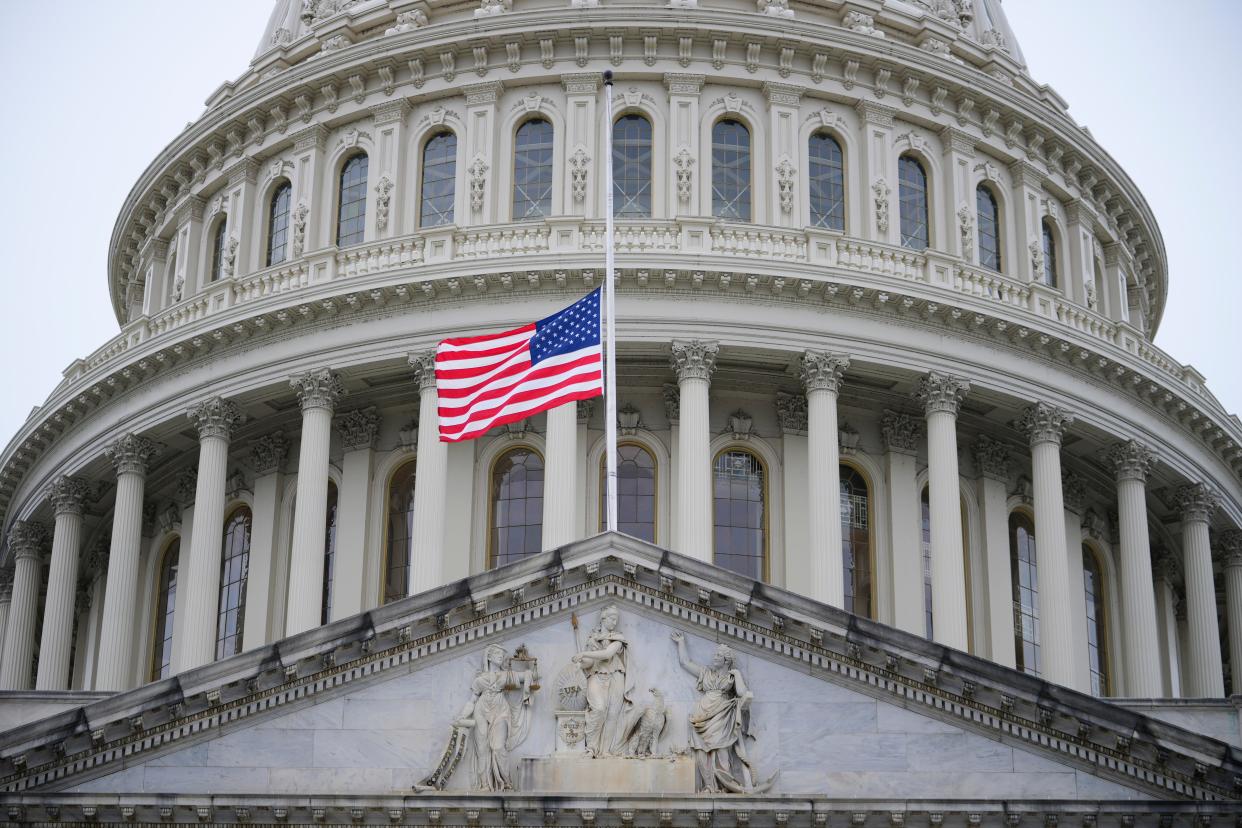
[604, 662]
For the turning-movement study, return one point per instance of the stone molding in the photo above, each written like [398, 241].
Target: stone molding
[68, 495]
[694, 359]
[321, 388]
[991, 458]
[132, 453]
[268, 453]
[1197, 503]
[942, 393]
[822, 371]
[900, 432]
[1130, 460]
[1044, 423]
[27, 539]
[359, 428]
[216, 417]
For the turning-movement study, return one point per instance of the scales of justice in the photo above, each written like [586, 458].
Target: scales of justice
[605, 741]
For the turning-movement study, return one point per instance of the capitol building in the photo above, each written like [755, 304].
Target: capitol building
[917, 525]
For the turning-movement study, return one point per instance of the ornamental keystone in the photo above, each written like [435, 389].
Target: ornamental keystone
[130, 454]
[1197, 502]
[320, 388]
[941, 393]
[216, 417]
[1130, 460]
[694, 359]
[1044, 423]
[822, 371]
[67, 495]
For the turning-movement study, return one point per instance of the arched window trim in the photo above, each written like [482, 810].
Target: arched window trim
[846, 462]
[1103, 617]
[230, 512]
[344, 163]
[490, 561]
[750, 181]
[269, 220]
[924, 165]
[656, 471]
[513, 167]
[157, 598]
[837, 138]
[410, 460]
[421, 180]
[990, 191]
[766, 494]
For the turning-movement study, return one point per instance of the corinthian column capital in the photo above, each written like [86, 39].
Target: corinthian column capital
[1045, 423]
[318, 389]
[1130, 460]
[27, 539]
[67, 495]
[424, 365]
[1231, 547]
[358, 428]
[216, 417]
[941, 393]
[694, 358]
[822, 371]
[1197, 502]
[130, 454]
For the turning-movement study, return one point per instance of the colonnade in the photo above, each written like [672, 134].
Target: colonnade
[1056, 517]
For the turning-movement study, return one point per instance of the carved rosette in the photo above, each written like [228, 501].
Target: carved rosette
[26, 539]
[1045, 423]
[991, 458]
[1130, 461]
[791, 412]
[822, 371]
[216, 417]
[900, 432]
[672, 402]
[1197, 502]
[267, 455]
[67, 495]
[320, 388]
[424, 365]
[359, 428]
[1073, 491]
[942, 394]
[694, 359]
[1231, 547]
[131, 453]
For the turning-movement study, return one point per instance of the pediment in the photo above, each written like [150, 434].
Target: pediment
[842, 708]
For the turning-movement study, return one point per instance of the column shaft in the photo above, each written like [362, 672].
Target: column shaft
[116, 640]
[560, 487]
[430, 483]
[1170, 663]
[1204, 670]
[309, 522]
[25, 539]
[1000, 578]
[948, 571]
[821, 375]
[55, 650]
[901, 435]
[694, 361]
[1233, 608]
[202, 572]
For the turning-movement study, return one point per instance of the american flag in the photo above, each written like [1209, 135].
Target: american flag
[492, 380]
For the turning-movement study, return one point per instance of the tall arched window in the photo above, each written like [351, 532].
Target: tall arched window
[1050, 254]
[856, 541]
[826, 182]
[740, 519]
[219, 246]
[636, 491]
[731, 170]
[329, 555]
[989, 228]
[278, 224]
[912, 198]
[439, 180]
[631, 164]
[351, 220]
[234, 570]
[399, 533]
[165, 609]
[1024, 573]
[1097, 630]
[517, 506]
[927, 582]
[532, 170]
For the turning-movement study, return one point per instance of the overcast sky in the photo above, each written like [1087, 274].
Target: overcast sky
[98, 89]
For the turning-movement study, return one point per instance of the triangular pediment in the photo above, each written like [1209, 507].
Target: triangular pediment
[842, 708]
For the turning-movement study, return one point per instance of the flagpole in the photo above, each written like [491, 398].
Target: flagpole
[610, 319]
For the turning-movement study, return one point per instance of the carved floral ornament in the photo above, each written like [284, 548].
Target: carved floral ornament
[318, 389]
[791, 412]
[785, 177]
[1197, 502]
[216, 417]
[383, 197]
[579, 163]
[131, 453]
[694, 359]
[478, 182]
[941, 393]
[68, 495]
[1130, 460]
[881, 190]
[991, 458]
[822, 371]
[1045, 423]
[684, 162]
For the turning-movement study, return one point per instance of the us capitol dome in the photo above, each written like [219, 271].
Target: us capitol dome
[895, 444]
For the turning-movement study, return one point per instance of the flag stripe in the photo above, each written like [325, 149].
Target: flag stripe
[452, 414]
[520, 373]
[482, 343]
[521, 410]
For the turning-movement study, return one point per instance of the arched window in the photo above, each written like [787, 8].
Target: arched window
[517, 506]
[439, 180]
[351, 221]
[329, 555]
[927, 582]
[912, 197]
[636, 491]
[532, 170]
[731, 170]
[234, 570]
[740, 519]
[1024, 573]
[219, 246]
[1050, 254]
[826, 182]
[174, 293]
[631, 165]
[1097, 630]
[165, 609]
[399, 537]
[1095, 298]
[856, 541]
[278, 224]
[989, 228]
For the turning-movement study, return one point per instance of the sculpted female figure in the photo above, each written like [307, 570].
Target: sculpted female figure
[603, 662]
[720, 724]
[495, 727]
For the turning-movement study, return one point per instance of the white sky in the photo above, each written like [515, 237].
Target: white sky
[98, 89]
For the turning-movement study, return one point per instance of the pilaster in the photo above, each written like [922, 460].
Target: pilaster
[359, 430]
[958, 192]
[879, 163]
[785, 182]
[901, 434]
[684, 152]
[390, 167]
[428, 551]
[267, 458]
[481, 153]
[992, 467]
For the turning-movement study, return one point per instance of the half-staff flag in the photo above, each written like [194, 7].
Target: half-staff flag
[493, 380]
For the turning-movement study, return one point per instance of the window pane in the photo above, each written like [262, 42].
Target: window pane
[329, 555]
[913, 203]
[636, 470]
[856, 541]
[278, 225]
[989, 228]
[1025, 592]
[234, 567]
[400, 533]
[439, 180]
[826, 182]
[532, 170]
[352, 218]
[1050, 255]
[631, 167]
[731, 170]
[166, 597]
[740, 519]
[1093, 587]
[516, 506]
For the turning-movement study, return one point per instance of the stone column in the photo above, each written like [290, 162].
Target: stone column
[821, 375]
[1074, 496]
[942, 397]
[1166, 620]
[318, 392]
[900, 433]
[992, 466]
[26, 542]
[1044, 425]
[267, 458]
[1231, 550]
[1131, 464]
[560, 482]
[55, 646]
[430, 482]
[358, 429]
[6, 601]
[694, 361]
[200, 582]
[1204, 669]
[129, 456]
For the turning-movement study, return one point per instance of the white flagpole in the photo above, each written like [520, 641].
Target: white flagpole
[610, 319]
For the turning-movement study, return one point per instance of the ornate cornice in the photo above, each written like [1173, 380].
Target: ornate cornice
[359, 428]
[131, 454]
[27, 539]
[791, 412]
[320, 388]
[1044, 423]
[942, 394]
[67, 495]
[1130, 460]
[822, 371]
[216, 417]
[268, 453]
[487, 92]
[424, 365]
[991, 458]
[694, 359]
[900, 432]
[1197, 502]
